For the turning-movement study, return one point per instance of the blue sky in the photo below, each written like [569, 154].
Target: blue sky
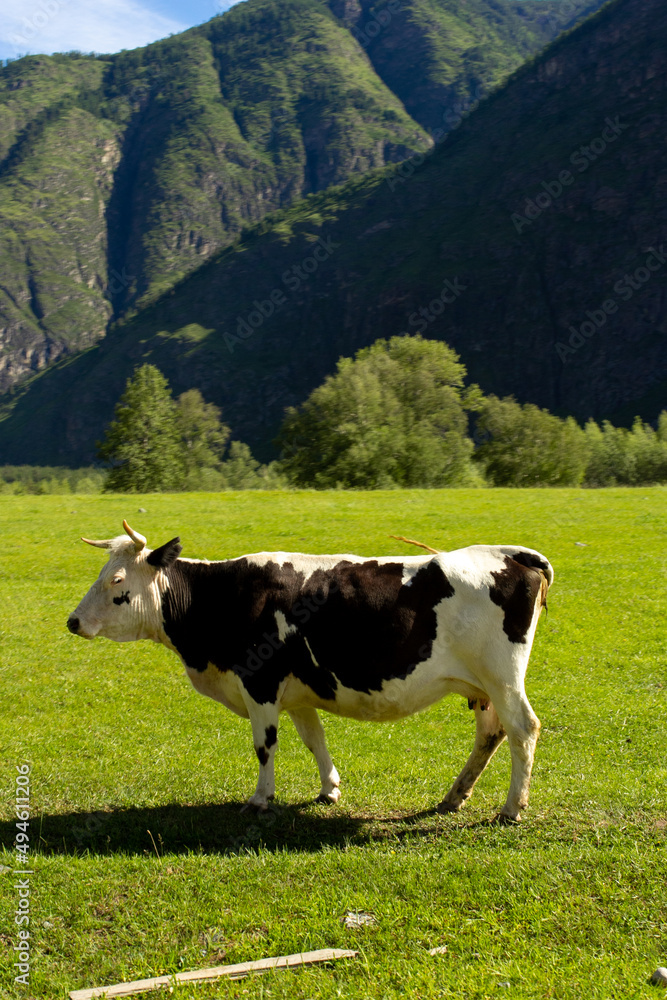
[45, 26]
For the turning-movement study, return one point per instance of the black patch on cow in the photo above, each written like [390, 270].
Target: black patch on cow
[532, 561]
[492, 741]
[166, 555]
[262, 755]
[367, 627]
[516, 589]
[270, 736]
[357, 621]
[123, 599]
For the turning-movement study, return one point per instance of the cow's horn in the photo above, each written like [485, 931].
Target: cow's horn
[100, 545]
[139, 540]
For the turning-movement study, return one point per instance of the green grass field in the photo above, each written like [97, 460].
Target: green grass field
[570, 904]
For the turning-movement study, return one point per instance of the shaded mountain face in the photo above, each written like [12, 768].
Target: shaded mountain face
[120, 175]
[442, 56]
[533, 240]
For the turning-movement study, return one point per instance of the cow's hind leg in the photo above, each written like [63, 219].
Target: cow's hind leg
[488, 738]
[308, 726]
[523, 728]
[264, 722]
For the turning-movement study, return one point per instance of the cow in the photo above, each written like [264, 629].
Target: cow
[368, 638]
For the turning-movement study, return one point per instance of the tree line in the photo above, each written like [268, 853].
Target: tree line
[398, 414]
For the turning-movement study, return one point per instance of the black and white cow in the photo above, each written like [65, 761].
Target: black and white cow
[375, 639]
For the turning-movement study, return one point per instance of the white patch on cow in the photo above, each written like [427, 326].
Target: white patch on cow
[410, 570]
[222, 686]
[283, 626]
[312, 655]
[309, 564]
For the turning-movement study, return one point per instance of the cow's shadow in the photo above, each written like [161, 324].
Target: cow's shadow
[217, 829]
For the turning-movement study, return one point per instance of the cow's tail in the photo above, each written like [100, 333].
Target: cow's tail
[411, 541]
[544, 589]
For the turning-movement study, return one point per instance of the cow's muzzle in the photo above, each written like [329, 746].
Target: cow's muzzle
[73, 624]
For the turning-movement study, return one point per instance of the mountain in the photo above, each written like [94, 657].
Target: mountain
[442, 56]
[121, 174]
[533, 240]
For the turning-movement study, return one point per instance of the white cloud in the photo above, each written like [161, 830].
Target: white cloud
[45, 26]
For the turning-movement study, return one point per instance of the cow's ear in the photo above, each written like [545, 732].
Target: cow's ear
[167, 554]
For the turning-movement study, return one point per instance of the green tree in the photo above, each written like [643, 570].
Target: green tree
[662, 426]
[391, 416]
[204, 438]
[527, 446]
[143, 442]
[240, 471]
[649, 450]
[619, 456]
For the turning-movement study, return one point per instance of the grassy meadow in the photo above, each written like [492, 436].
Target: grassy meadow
[570, 904]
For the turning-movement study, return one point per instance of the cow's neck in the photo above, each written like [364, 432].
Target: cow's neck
[196, 597]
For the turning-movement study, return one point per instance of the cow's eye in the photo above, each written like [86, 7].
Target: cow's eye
[116, 579]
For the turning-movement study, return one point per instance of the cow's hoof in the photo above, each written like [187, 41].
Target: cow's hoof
[504, 819]
[254, 805]
[329, 798]
[447, 807]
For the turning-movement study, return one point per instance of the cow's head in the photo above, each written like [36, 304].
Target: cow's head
[124, 603]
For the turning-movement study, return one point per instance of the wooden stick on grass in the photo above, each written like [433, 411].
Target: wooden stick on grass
[199, 975]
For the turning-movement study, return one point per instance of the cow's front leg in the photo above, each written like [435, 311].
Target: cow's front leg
[488, 737]
[264, 722]
[308, 726]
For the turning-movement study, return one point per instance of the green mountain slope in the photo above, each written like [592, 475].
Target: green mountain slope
[120, 175]
[441, 56]
[56, 174]
[447, 249]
